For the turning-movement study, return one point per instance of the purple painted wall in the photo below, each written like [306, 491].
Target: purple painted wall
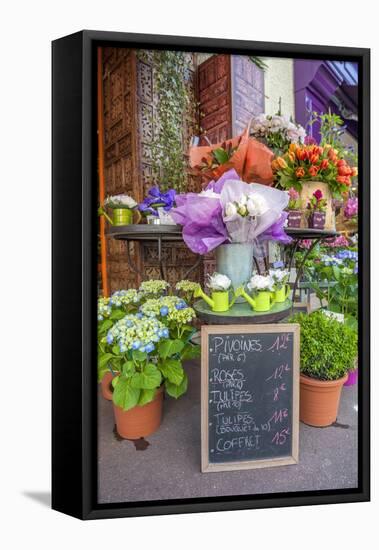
[320, 85]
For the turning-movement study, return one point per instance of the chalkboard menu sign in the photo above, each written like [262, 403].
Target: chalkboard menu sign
[250, 396]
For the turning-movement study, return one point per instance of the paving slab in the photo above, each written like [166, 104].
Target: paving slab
[169, 467]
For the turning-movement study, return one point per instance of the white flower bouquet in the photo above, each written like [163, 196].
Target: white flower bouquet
[277, 131]
[218, 282]
[260, 282]
[280, 277]
[120, 201]
[250, 209]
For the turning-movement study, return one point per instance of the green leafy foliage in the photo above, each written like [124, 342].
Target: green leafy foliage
[148, 378]
[172, 370]
[175, 390]
[327, 347]
[173, 93]
[168, 348]
[146, 396]
[124, 394]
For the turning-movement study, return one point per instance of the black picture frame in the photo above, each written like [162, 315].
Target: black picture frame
[74, 230]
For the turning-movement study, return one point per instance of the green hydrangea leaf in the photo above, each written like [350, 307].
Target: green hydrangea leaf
[176, 391]
[168, 348]
[139, 355]
[172, 370]
[146, 396]
[149, 378]
[117, 314]
[124, 395]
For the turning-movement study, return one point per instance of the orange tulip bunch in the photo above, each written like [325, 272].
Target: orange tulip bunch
[304, 163]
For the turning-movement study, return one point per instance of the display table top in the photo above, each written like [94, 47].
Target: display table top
[242, 314]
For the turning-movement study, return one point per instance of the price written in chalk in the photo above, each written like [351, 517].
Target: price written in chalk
[250, 392]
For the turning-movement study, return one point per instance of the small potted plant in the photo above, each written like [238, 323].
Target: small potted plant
[294, 208]
[317, 210]
[327, 353]
[261, 288]
[157, 205]
[280, 287]
[219, 286]
[123, 207]
[147, 349]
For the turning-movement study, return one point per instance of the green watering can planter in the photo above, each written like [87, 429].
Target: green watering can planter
[282, 294]
[121, 216]
[263, 300]
[218, 301]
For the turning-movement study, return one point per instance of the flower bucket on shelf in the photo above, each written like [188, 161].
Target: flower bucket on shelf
[140, 421]
[235, 260]
[308, 188]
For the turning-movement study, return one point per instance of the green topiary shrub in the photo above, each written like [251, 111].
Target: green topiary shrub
[327, 347]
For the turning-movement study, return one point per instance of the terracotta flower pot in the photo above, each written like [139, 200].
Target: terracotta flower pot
[106, 386]
[140, 421]
[319, 400]
[316, 220]
[294, 218]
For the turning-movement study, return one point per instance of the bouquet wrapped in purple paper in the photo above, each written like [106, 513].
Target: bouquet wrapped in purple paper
[230, 210]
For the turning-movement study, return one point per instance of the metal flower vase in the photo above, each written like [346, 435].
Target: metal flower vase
[235, 260]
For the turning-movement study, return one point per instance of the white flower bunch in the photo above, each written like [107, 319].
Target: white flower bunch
[279, 276]
[186, 286]
[125, 297]
[260, 282]
[120, 201]
[155, 287]
[218, 282]
[263, 126]
[251, 204]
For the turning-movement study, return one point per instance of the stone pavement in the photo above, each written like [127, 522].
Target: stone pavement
[169, 467]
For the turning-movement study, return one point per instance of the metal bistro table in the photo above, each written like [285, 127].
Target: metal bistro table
[153, 233]
[173, 233]
[301, 234]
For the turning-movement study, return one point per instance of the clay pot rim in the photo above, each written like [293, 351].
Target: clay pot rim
[323, 383]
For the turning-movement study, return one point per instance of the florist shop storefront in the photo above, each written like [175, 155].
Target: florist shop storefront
[227, 275]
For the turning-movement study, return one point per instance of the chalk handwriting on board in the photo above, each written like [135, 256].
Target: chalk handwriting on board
[250, 381]
[281, 342]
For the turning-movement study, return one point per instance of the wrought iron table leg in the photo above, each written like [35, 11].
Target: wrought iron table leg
[293, 251]
[194, 266]
[160, 258]
[301, 267]
[132, 266]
